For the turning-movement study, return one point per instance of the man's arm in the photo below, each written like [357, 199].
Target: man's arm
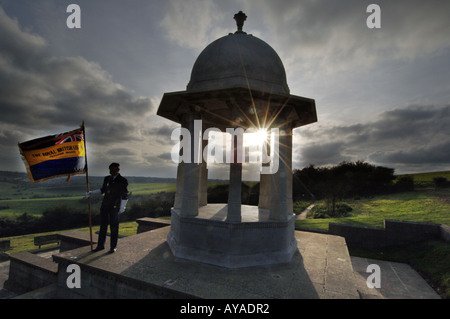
[97, 191]
[124, 196]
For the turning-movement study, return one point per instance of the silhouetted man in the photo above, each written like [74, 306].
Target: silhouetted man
[114, 202]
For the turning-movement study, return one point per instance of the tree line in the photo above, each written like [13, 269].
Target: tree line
[346, 180]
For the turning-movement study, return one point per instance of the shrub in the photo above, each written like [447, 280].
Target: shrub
[440, 182]
[345, 180]
[343, 209]
[324, 210]
[404, 184]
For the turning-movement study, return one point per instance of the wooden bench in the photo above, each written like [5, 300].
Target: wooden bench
[5, 245]
[148, 224]
[46, 239]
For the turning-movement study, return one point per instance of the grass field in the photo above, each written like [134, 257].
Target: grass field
[427, 177]
[150, 188]
[26, 242]
[29, 190]
[426, 205]
[37, 206]
[25, 201]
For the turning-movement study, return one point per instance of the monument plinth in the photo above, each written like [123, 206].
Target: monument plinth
[238, 81]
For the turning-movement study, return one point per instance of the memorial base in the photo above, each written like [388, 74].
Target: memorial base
[144, 267]
[210, 238]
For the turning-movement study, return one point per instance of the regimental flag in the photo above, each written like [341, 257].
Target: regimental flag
[55, 155]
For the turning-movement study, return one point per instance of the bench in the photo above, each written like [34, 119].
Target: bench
[5, 245]
[148, 224]
[46, 239]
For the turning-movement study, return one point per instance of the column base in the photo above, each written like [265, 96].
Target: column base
[209, 238]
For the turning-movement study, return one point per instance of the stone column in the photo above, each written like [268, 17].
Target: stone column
[265, 179]
[203, 191]
[191, 180]
[281, 187]
[234, 193]
[179, 191]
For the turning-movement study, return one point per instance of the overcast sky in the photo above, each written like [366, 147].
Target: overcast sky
[382, 95]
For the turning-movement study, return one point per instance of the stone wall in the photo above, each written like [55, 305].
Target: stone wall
[394, 233]
[74, 239]
[28, 272]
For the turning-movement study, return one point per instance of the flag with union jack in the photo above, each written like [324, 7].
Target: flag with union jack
[51, 156]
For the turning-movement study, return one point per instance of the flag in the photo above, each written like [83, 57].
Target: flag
[55, 155]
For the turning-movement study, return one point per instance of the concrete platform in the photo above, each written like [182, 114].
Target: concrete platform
[398, 281]
[144, 267]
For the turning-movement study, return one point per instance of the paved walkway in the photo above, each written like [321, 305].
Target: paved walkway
[398, 281]
[304, 213]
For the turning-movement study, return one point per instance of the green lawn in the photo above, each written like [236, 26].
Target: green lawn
[426, 205]
[151, 188]
[36, 206]
[26, 242]
[30, 190]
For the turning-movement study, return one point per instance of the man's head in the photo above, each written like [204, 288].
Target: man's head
[114, 169]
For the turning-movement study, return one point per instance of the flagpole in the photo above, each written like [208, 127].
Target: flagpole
[87, 185]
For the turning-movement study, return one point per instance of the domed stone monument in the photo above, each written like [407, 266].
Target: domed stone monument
[238, 81]
[239, 60]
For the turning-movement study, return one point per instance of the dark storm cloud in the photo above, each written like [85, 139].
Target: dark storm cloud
[424, 154]
[335, 32]
[18, 48]
[52, 78]
[40, 91]
[410, 135]
[323, 153]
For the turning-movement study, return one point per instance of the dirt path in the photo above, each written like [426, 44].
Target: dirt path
[303, 214]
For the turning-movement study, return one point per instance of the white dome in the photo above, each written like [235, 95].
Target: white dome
[239, 60]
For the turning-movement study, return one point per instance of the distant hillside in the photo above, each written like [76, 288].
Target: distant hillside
[18, 177]
[427, 177]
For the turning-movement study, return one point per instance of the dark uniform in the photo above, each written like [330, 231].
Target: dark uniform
[115, 190]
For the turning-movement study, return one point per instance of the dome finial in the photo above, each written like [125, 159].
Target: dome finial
[240, 17]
